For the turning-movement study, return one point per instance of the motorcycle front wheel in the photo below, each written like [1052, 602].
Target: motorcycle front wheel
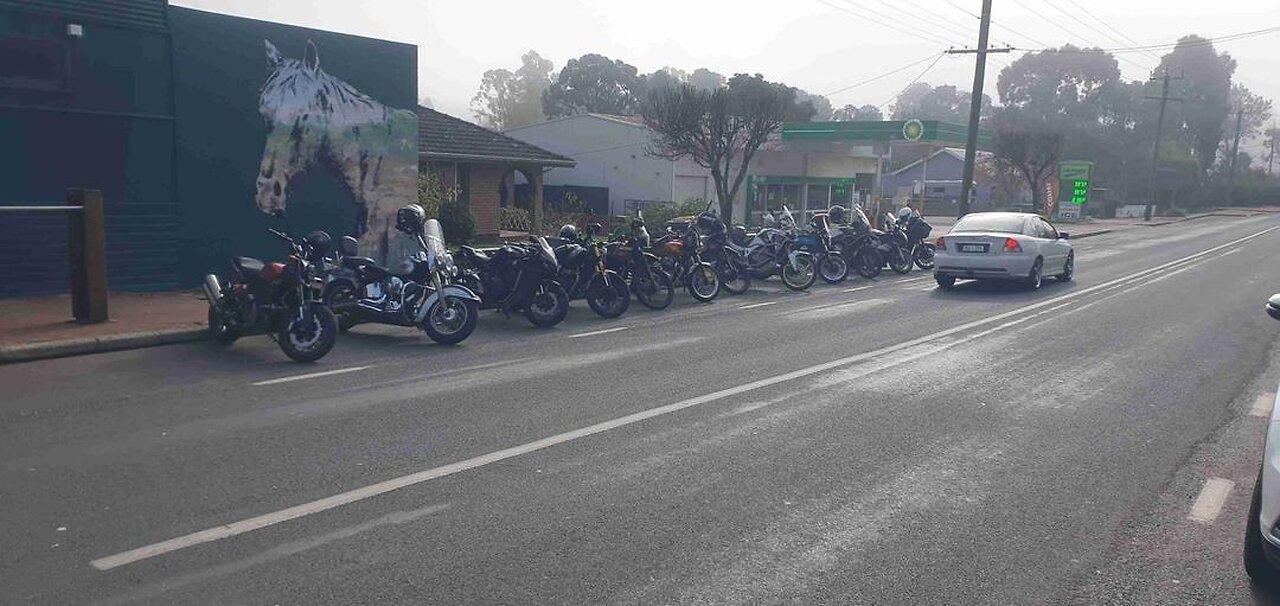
[869, 263]
[451, 320]
[833, 269]
[308, 341]
[608, 300]
[654, 290]
[801, 277]
[924, 256]
[900, 262]
[548, 306]
[735, 280]
[704, 284]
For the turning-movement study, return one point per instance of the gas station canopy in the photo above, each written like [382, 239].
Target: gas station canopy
[934, 133]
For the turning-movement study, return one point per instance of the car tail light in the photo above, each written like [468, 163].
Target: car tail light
[941, 244]
[1011, 245]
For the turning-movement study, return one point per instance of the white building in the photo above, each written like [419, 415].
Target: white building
[612, 152]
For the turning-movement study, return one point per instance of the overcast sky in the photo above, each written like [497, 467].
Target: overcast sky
[810, 44]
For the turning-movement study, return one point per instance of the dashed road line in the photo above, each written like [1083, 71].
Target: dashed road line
[1212, 497]
[755, 305]
[314, 375]
[859, 288]
[598, 332]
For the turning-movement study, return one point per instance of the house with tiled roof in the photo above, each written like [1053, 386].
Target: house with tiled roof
[485, 166]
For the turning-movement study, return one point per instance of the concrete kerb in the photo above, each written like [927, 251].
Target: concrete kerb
[90, 345]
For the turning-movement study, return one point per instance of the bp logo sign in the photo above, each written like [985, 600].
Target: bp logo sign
[912, 130]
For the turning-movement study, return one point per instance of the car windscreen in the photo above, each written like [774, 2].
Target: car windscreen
[1009, 224]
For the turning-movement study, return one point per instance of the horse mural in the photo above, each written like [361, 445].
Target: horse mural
[315, 118]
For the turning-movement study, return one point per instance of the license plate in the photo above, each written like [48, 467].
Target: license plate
[972, 248]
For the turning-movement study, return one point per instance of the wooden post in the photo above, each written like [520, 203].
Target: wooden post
[86, 247]
[535, 182]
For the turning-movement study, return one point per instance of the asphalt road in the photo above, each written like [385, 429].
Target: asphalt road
[877, 442]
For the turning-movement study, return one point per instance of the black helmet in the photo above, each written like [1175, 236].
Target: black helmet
[838, 215]
[348, 246]
[318, 242]
[409, 219]
[569, 232]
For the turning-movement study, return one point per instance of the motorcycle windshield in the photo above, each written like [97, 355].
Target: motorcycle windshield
[787, 220]
[547, 253]
[437, 254]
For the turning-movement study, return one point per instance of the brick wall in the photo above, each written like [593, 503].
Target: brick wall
[485, 197]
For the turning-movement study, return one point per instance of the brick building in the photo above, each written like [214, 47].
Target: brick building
[484, 165]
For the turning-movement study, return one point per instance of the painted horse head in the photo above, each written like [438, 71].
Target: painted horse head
[315, 118]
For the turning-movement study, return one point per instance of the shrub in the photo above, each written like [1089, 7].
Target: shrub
[514, 219]
[441, 203]
[656, 216]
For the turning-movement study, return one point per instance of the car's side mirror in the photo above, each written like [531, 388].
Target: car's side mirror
[1273, 306]
[1062, 235]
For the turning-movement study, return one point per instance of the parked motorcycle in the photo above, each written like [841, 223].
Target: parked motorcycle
[917, 231]
[830, 262]
[727, 260]
[275, 298]
[893, 245]
[628, 255]
[584, 276]
[680, 257]
[420, 292]
[518, 278]
[772, 250]
[854, 238]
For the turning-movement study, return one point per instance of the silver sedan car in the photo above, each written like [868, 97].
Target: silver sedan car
[1003, 246]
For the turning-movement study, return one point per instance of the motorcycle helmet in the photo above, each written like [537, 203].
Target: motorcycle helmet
[569, 233]
[348, 246]
[838, 215]
[738, 235]
[904, 213]
[410, 218]
[318, 242]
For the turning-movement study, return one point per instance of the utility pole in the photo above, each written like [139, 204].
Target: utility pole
[1235, 153]
[975, 103]
[1155, 151]
[1271, 155]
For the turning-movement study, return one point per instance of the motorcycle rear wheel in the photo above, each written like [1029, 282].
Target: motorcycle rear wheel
[548, 306]
[802, 278]
[733, 278]
[900, 262]
[924, 256]
[653, 291]
[868, 263]
[220, 330]
[833, 269]
[609, 301]
[451, 320]
[309, 343]
[703, 283]
[342, 294]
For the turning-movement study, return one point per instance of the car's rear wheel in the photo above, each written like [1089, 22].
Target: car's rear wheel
[1260, 571]
[1036, 277]
[1069, 269]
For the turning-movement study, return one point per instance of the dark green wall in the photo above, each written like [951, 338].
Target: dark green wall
[110, 129]
[221, 64]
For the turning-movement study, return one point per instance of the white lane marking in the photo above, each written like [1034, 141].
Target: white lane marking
[314, 375]
[372, 490]
[858, 288]
[1212, 497]
[755, 305]
[598, 332]
[833, 308]
[1263, 405]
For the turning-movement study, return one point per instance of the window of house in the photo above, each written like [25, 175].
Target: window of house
[30, 63]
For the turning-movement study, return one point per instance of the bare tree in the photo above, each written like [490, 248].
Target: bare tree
[720, 130]
[1028, 152]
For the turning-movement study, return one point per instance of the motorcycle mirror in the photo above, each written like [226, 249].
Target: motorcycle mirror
[1273, 306]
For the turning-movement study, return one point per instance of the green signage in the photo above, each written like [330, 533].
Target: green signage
[1076, 177]
[912, 130]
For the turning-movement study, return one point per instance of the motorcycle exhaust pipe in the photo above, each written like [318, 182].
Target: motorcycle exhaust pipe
[213, 291]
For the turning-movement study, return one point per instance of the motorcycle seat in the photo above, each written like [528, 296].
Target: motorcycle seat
[249, 265]
[474, 253]
[355, 262]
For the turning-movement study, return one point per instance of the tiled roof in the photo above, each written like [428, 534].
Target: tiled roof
[444, 137]
[142, 14]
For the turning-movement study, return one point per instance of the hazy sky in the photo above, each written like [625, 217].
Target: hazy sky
[806, 43]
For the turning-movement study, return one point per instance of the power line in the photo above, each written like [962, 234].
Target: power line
[929, 19]
[1095, 30]
[885, 105]
[1171, 45]
[925, 37]
[944, 36]
[882, 76]
[1111, 27]
[1072, 35]
[996, 23]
